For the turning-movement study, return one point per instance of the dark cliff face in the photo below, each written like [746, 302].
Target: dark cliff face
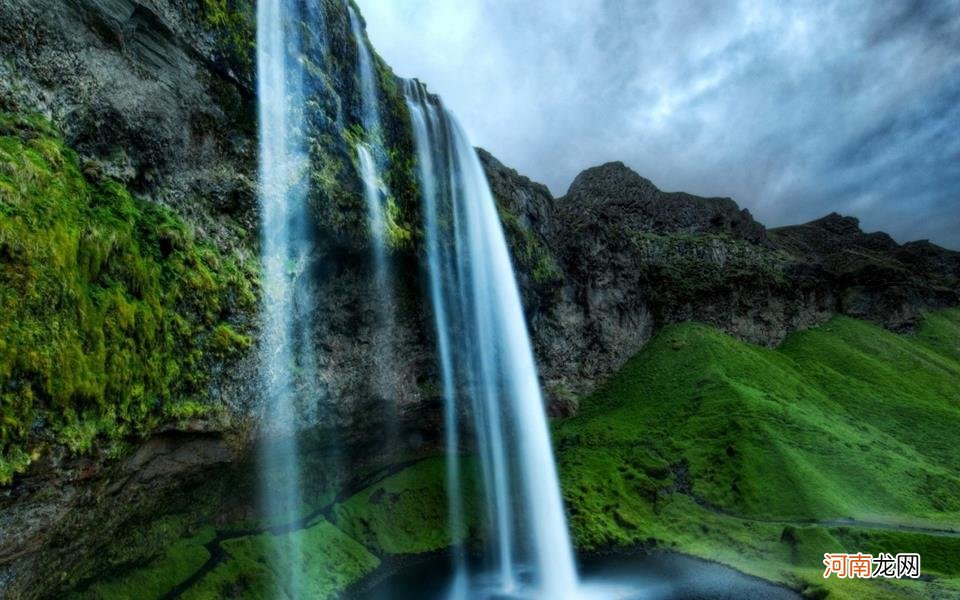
[148, 97]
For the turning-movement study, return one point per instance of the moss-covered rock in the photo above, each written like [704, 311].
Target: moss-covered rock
[112, 305]
[176, 563]
[679, 267]
[406, 513]
[233, 23]
[330, 561]
[334, 116]
[529, 251]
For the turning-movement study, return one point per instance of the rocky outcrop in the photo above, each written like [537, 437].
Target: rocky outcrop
[149, 97]
[528, 214]
[144, 89]
[531, 202]
[75, 517]
[871, 275]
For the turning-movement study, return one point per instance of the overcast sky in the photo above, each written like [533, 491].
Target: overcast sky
[793, 109]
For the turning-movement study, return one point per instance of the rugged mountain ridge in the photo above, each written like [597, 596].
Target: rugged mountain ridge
[157, 96]
[633, 259]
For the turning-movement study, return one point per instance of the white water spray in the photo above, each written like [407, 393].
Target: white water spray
[486, 357]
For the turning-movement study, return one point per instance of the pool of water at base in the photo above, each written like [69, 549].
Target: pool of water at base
[654, 576]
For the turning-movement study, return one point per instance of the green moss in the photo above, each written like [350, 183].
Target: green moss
[233, 21]
[225, 341]
[337, 198]
[15, 460]
[729, 451]
[331, 560]
[403, 205]
[402, 179]
[110, 303]
[398, 236]
[185, 409]
[181, 559]
[405, 513]
[336, 190]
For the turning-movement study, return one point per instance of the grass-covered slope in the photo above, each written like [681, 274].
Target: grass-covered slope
[110, 304]
[735, 452]
[843, 439]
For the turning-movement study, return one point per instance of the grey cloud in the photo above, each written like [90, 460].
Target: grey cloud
[793, 109]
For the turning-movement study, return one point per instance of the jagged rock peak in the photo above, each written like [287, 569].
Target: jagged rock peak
[614, 192]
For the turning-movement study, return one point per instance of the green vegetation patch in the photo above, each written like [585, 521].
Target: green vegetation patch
[330, 561]
[402, 176]
[405, 513]
[759, 459]
[181, 559]
[234, 23]
[110, 304]
[940, 332]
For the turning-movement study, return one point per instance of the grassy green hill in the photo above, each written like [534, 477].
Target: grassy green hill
[846, 438]
[753, 456]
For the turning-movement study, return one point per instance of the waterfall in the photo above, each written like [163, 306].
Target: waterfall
[369, 158]
[425, 158]
[484, 350]
[286, 351]
[487, 362]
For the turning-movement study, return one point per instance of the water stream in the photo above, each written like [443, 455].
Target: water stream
[286, 348]
[371, 160]
[487, 364]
